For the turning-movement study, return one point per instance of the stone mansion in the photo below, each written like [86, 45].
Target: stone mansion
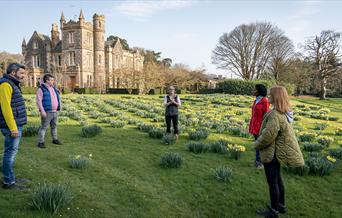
[79, 56]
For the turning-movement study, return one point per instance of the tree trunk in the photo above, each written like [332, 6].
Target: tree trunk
[323, 91]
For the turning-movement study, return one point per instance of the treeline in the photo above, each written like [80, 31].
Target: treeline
[262, 51]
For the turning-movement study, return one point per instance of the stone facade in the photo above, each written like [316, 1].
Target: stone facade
[80, 56]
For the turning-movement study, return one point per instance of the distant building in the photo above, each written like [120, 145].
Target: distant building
[213, 79]
[80, 56]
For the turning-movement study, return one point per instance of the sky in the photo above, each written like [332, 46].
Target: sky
[185, 31]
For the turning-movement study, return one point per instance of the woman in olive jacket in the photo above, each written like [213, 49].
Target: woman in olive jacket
[278, 144]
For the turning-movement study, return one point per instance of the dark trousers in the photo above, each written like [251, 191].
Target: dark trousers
[174, 120]
[257, 152]
[275, 183]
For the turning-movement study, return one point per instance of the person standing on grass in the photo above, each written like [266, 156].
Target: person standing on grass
[172, 103]
[49, 103]
[260, 107]
[278, 145]
[12, 118]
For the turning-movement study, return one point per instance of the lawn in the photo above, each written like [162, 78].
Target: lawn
[124, 178]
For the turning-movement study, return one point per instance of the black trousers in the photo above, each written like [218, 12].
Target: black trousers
[275, 183]
[174, 120]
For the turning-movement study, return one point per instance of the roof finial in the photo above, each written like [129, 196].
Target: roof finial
[81, 17]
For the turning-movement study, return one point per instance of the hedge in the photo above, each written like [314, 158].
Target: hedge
[86, 90]
[243, 87]
[123, 91]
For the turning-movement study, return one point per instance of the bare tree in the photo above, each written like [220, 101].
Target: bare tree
[247, 49]
[282, 52]
[324, 51]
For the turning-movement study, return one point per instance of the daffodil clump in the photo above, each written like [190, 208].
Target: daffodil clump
[338, 131]
[79, 161]
[307, 136]
[235, 150]
[325, 140]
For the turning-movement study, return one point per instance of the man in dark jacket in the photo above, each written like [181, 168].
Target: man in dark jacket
[12, 118]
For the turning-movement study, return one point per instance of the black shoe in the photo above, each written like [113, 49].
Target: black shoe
[56, 142]
[268, 213]
[14, 186]
[41, 145]
[282, 209]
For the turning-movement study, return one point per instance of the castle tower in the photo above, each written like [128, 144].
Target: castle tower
[54, 35]
[99, 54]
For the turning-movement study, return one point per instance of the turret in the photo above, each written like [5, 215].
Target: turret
[54, 35]
[81, 17]
[62, 20]
[23, 47]
[99, 46]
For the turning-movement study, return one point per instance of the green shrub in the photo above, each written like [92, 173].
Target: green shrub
[79, 162]
[325, 140]
[117, 123]
[199, 134]
[240, 87]
[171, 160]
[313, 147]
[30, 130]
[219, 146]
[321, 126]
[169, 139]
[197, 147]
[223, 174]
[91, 131]
[301, 171]
[156, 133]
[50, 197]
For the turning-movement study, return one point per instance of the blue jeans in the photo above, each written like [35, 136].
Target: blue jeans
[257, 152]
[10, 151]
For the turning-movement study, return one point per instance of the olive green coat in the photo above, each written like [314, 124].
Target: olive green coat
[278, 137]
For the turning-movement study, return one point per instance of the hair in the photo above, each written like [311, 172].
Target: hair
[47, 77]
[280, 99]
[262, 90]
[14, 67]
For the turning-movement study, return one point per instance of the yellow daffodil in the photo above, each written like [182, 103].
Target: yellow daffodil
[331, 159]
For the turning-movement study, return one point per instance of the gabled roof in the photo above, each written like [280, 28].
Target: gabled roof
[58, 47]
[39, 36]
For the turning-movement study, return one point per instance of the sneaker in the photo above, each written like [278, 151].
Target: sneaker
[14, 186]
[41, 145]
[56, 142]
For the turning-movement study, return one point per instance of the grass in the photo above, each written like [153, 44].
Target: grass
[125, 179]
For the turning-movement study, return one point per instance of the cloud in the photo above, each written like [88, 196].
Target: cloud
[141, 10]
